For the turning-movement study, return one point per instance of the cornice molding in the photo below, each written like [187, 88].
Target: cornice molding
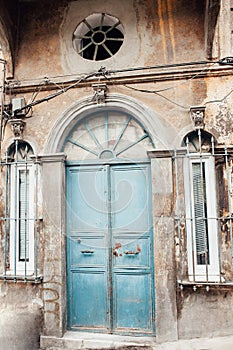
[134, 77]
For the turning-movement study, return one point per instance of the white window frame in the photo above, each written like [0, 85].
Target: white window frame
[18, 267]
[198, 272]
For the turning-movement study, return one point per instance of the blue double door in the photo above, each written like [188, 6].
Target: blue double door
[110, 249]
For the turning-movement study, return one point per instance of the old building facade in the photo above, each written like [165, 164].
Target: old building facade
[116, 170]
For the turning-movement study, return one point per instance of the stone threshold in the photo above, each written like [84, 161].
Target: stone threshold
[85, 340]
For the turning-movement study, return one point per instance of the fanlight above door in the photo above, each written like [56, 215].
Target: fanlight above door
[108, 135]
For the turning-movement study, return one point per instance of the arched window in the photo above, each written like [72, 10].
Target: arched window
[108, 135]
[201, 207]
[19, 211]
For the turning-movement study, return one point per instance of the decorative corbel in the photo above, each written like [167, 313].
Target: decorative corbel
[197, 116]
[17, 126]
[100, 91]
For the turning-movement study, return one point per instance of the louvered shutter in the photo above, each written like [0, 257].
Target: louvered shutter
[200, 213]
[23, 215]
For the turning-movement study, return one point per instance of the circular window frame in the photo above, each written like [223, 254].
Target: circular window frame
[98, 37]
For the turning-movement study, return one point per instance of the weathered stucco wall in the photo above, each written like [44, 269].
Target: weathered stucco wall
[21, 316]
[9, 33]
[164, 28]
[204, 314]
[157, 32]
[171, 107]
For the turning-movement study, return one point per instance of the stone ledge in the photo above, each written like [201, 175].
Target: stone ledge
[89, 341]
[83, 340]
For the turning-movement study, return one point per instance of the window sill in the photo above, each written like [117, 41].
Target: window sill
[21, 278]
[204, 285]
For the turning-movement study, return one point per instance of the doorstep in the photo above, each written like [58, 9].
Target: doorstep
[85, 340]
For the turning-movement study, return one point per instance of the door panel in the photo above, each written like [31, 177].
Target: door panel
[132, 233]
[132, 310]
[89, 211]
[129, 197]
[87, 257]
[88, 251]
[134, 251]
[89, 302]
[109, 249]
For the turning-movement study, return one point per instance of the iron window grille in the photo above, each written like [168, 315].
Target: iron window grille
[203, 210]
[19, 218]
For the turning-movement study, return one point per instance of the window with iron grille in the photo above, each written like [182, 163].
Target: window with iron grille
[20, 213]
[201, 218]
[22, 219]
[202, 181]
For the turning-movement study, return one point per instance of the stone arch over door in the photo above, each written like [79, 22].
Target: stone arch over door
[109, 231]
[151, 120]
[54, 202]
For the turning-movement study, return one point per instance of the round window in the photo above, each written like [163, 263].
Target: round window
[98, 37]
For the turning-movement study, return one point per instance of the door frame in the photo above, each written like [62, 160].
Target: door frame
[54, 218]
[111, 163]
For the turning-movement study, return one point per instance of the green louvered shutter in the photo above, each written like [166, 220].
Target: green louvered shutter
[200, 213]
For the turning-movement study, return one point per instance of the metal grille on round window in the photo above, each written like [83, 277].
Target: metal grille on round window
[98, 37]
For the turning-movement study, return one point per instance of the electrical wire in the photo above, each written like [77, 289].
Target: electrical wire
[105, 73]
[32, 99]
[125, 70]
[158, 92]
[61, 91]
[221, 100]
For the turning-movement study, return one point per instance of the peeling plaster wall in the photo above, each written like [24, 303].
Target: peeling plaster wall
[162, 27]
[204, 314]
[20, 316]
[157, 32]
[8, 33]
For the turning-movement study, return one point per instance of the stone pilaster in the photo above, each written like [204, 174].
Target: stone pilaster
[165, 268]
[54, 282]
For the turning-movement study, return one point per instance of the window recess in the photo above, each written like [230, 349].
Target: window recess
[203, 211]
[201, 219]
[20, 220]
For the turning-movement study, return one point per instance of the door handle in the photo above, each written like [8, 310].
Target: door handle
[130, 252]
[87, 251]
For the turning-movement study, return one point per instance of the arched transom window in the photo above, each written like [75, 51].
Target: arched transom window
[108, 135]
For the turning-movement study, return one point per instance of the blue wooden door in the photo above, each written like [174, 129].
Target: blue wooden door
[109, 249]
